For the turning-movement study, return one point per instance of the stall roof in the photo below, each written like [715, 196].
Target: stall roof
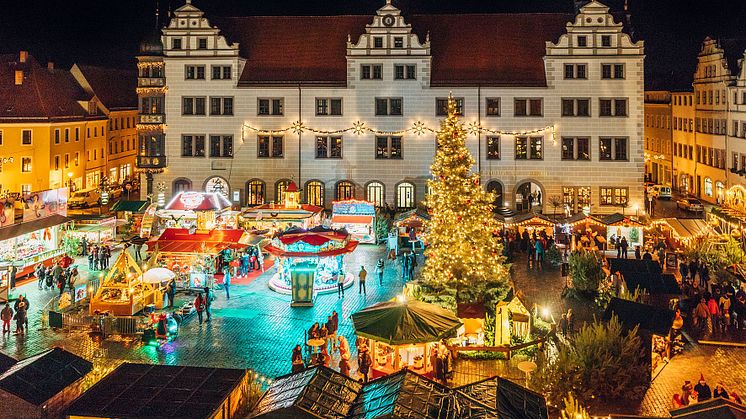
[617, 218]
[711, 409]
[351, 219]
[198, 201]
[40, 377]
[530, 218]
[688, 228]
[271, 212]
[178, 240]
[510, 400]
[397, 323]
[138, 390]
[580, 218]
[317, 392]
[631, 314]
[130, 206]
[645, 274]
[16, 230]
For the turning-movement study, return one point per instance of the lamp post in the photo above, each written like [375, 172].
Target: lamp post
[70, 181]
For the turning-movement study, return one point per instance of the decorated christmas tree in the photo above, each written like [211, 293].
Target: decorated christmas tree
[464, 249]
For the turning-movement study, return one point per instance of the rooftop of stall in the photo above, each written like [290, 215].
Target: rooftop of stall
[508, 399]
[210, 209]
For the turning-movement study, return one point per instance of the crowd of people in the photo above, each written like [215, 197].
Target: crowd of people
[99, 256]
[60, 275]
[534, 244]
[321, 354]
[701, 392]
[19, 312]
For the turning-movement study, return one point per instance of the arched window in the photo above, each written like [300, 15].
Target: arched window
[405, 195]
[496, 188]
[720, 189]
[218, 185]
[182, 185]
[374, 192]
[708, 186]
[315, 193]
[345, 190]
[280, 187]
[255, 192]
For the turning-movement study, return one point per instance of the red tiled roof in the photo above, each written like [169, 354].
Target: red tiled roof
[488, 49]
[115, 88]
[43, 95]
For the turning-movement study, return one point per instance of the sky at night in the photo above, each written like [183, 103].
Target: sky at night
[106, 32]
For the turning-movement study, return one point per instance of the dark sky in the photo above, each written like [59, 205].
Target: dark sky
[107, 32]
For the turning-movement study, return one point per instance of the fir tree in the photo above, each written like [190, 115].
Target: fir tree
[464, 248]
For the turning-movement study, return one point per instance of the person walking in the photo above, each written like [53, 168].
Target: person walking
[404, 266]
[227, 283]
[638, 253]
[412, 265]
[297, 359]
[714, 311]
[84, 246]
[684, 270]
[379, 271]
[209, 298]
[171, 291]
[91, 258]
[361, 280]
[40, 271]
[340, 284]
[539, 254]
[662, 257]
[94, 255]
[6, 316]
[693, 269]
[331, 334]
[199, 305]
[363, 362]
[72, 279]
[625, 245]
[616, 241]
[701, 314]
[21, 316]
[704, 275]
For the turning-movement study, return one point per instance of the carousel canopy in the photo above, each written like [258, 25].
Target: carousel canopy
[198, 201]
[178, 240]
[397, 323]
[649, 318]
[277, 212]
[317, 241]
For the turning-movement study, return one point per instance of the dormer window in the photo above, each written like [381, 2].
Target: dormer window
[202, 43]
[582, 41]
[92, 108]
[176, 43]
[371, 72]
[398, 42]
[377, 42]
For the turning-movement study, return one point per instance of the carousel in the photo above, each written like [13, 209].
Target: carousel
[124, 292]
[404, 333]
[310, 262]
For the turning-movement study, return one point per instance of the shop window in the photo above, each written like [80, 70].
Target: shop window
[315, 193]
[405, 195]
[708, 187]
[345, 190]
[374, 192]
[255, 192]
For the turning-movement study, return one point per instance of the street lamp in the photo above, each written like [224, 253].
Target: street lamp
[70, 180]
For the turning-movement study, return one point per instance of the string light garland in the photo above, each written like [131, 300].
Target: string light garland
[418, 128]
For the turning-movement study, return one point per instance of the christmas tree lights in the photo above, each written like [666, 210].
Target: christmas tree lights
[464, 247]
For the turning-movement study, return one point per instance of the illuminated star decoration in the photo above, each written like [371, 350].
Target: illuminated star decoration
[419, 127]
[473, 128]
[358, 127]
[297, 127]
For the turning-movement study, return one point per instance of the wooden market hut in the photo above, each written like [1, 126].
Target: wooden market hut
[507, 398]
[680, 232]
[123, 291]
[165, 391]
[473, 316]
[622, 225]
[43, 385]
[531, 221]
[647, 275]
[512, 318]
[403, 332]
[580, 225]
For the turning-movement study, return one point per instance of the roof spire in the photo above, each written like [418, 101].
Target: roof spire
[388, 2]
[157, 14]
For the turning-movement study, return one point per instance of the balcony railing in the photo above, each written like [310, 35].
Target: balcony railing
[151, 81]
[151, 118]
[148, 162]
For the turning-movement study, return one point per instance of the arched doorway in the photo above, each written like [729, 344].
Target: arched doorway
[255, 192]
[496, 187]
[315, 193]
[528, 196]
[345, 190]
[217, 184]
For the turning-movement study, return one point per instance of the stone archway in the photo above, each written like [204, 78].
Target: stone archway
[496, 187]
[529, 196]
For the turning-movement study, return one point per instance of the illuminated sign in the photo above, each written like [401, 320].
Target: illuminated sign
[191, 200]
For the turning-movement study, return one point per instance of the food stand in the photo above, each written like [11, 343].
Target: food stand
[203, 210]
[403, 333]
[357, 217]
[278, 217]
[531, 222]
[583, 230]
[619, 225]
[123, 291]
[319, 251]
[95, 229]
[410, 226]
[681, 232]
[28, 243]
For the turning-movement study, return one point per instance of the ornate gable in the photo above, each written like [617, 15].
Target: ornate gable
[594, 32]
[712, 64]
[190, 34]
[388, 35]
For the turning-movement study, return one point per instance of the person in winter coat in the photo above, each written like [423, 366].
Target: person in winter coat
[6, 316]
[684, 270]
[209, 298]
[227, 283]
[199, 305]
[171, 291]
[297, 359]
[363, 363]
[361, 280]
[40, 272]
[624, 245]
[720, 391]
[714, 310]
[703, 390]
[379, 271]
[20, 317]
[701, 314]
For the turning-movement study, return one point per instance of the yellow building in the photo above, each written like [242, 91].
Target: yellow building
[47, 125]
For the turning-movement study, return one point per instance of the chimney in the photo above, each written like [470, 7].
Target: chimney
[19, 77]
[23, 56]
[50, 65]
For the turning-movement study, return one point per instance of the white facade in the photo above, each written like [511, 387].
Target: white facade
[613, 67]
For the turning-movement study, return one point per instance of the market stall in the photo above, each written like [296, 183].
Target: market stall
[28, 243]
[357, 217]
[512, 318]
[730, 217]
[280, 216]
[404, 333]
[123, 291]
[581, 230]
[95, 229]
[310, 262]
[618, 226]
[680, 232]
[531, 222]
[410, 227]
[201, 210]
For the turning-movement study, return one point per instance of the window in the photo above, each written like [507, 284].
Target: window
[56, 163]
[194, 72]
[527, 107]
[398, 42]
[576, 107]
[67, 160]
[405, 72]
[493, 106]
[25, 189]
[612, 149]
[269, 146]
[529, 148]
[708, 186]
[328, 106]
[377, 42]
[176, 43]
[26, 164]
[1, 137]
[67, 135]
[193, 146]
[374, 192]
[255, 192]
[388, 148]
[26, 137]
[328, 147]
[77, 134]
[182, 185]
[612, 107]
[388, 106]
[371, 72]
[605, 40]
[582, 41]
[493, 148]
[612, 71]
[575, 71]
[192, 106]
[576, 148]
[404, 195]
[221, 146]
[614, 196]
[56, 136]
[221, 106]
[77, 158]
[441, 106]
[150, 105]
[345, 190]
[266, 106]
[221, 72]
[315, 193]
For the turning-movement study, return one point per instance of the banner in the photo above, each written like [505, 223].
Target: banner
[146, 225]
[37, 205]
[7, 212]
